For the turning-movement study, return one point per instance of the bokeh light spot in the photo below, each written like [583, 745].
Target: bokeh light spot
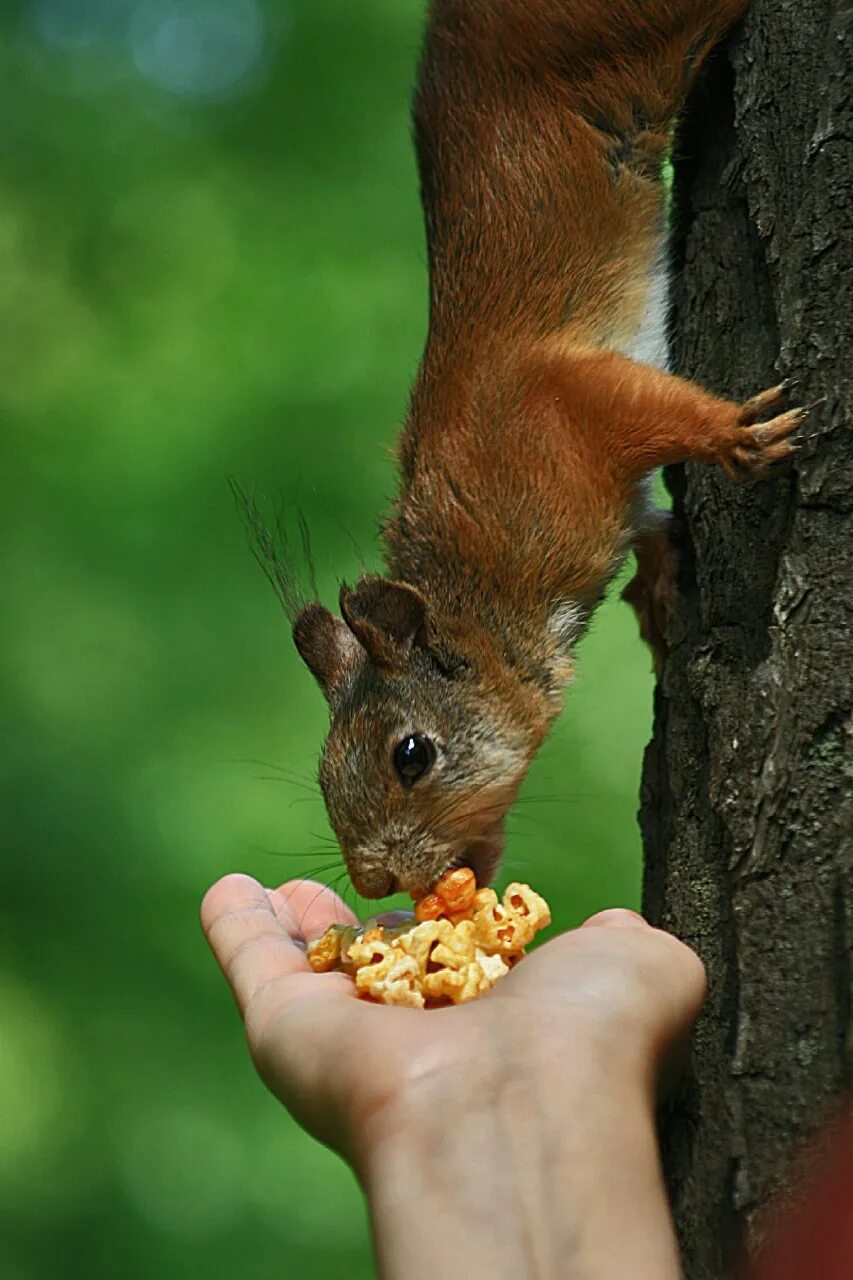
[204, 49]
[74, 24]
[31, 1100]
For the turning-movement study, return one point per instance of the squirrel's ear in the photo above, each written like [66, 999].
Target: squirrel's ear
[327, 646]
[387, 617]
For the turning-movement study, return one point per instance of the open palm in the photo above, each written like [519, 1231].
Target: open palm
[615, 989]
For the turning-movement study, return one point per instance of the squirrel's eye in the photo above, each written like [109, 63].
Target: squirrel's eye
[413, 757]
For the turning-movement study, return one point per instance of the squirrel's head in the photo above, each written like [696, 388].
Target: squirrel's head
[425, 753]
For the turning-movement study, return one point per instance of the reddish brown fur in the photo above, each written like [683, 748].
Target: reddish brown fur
[540, 130]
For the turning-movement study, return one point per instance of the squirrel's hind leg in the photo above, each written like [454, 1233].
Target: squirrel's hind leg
[653, 590]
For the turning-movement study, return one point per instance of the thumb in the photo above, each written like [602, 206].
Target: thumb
[616, 918]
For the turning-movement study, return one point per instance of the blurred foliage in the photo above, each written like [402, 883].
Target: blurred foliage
[207, 268]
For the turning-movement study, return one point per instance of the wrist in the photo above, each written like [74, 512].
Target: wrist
[602, 1071]
[454, 1176]
[522, 1169]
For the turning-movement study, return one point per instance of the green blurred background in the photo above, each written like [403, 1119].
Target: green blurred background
[211, 264]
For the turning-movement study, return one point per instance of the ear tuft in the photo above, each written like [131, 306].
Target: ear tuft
[327, 646]
[387, 617]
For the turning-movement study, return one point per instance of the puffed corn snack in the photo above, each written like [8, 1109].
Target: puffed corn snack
[463, 940]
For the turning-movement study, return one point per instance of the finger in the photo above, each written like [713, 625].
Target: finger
[311, 907]
[285, 916]
[252, 947]
[616, 918]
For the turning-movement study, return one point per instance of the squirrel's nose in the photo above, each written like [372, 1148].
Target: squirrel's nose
[369, 879]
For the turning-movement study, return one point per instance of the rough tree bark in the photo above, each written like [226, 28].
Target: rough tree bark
[746, 798]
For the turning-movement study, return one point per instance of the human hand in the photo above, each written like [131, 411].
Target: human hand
[509, 1136]
[616, 995]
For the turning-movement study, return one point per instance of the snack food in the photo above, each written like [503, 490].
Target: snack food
[462, 941]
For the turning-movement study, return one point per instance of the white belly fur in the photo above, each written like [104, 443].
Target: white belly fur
[649, 345]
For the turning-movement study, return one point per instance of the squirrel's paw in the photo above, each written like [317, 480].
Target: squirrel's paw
[752, 446]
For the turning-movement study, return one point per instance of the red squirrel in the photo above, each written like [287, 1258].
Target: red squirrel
[535, 419]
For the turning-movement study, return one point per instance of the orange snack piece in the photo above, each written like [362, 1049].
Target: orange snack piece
[457, 888]
[430, 908]
[452, 895]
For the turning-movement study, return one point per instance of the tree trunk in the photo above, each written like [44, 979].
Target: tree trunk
[746, 798]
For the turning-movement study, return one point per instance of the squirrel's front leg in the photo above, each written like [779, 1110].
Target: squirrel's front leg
[641, 418]
[622, 419]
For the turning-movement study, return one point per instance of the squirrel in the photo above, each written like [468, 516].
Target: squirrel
[536, 416]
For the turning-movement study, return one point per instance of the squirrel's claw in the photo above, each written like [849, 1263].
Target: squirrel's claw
[753, 446]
